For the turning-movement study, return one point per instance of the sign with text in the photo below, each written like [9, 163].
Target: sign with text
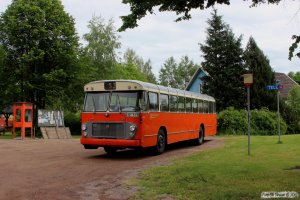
[274, 87]
[50, 118]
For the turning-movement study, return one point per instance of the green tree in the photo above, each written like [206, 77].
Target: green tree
[294, 99]
[128, 71]
[295, 76]
[290, 110]
[257, 63]
[130, 57]
[223, 61]
[41, 44]
[186, 69]
[140, 8]
[176, 75]
[99, 56]
[167, 73]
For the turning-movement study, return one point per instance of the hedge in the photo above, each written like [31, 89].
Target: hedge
[263, 122]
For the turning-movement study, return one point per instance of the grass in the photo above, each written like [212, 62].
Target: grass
[7, 135]
[228, 172]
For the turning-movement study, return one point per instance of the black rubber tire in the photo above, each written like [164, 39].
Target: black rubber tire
[200, 139]
[161, 142]
[110, 150]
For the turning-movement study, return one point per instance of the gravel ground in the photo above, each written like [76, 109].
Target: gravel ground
[64, 170]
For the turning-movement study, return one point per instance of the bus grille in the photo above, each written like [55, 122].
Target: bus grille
[108, 130]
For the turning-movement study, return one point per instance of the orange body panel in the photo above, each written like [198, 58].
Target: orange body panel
[179, 127]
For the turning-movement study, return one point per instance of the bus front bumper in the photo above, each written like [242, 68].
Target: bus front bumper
[99, 142]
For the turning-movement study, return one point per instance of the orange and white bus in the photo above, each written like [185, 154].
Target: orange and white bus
[121, 114]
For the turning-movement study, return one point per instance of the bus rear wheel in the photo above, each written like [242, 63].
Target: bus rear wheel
[161, 142]
[110, 150]
[200, 139]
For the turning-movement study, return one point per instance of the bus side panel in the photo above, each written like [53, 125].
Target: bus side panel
[179, 126]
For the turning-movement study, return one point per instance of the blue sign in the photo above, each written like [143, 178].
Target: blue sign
[274, 87]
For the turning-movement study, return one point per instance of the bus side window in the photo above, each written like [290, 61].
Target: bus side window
[195, 105]
[200, 105]
[143, 101]
[188, 105]
[164, 102]
[181, 104]
[214, 107]
[173, 103]
[153, 101]
[205, 106]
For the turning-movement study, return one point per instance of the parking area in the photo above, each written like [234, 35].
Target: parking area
[63, 169]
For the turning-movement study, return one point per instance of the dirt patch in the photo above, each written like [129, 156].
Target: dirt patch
[63, 169]
[297, 167]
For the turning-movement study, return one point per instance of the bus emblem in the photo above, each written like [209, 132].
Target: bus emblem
[107, 126]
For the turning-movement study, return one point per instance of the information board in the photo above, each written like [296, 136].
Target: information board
[50, 118]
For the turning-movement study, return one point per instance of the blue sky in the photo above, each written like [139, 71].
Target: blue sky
[158, 37]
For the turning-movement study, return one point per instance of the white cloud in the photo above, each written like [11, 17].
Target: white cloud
[158, 37]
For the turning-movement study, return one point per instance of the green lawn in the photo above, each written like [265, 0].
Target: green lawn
[228, 172]
[7, 135]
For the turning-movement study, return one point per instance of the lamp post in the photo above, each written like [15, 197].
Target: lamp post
[248, 81]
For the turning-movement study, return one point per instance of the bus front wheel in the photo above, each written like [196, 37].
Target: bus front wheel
[161, 142]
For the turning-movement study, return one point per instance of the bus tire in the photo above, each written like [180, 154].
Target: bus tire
[200, 138]
[161, 142]
[110, 150]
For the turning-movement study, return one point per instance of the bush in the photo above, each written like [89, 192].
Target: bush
[263, 122]
[231, 121]
[72, 120]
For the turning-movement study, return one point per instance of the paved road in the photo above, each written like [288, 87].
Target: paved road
[63, 169]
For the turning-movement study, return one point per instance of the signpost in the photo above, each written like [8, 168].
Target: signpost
[248, 81]
[277, 87]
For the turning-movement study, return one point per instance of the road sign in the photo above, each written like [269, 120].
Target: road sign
[274, 87]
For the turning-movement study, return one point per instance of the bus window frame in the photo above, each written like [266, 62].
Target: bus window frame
[149, 102]
[161, 106]
[176, 103]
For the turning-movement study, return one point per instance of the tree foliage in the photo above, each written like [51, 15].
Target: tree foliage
[295, 76]
[223, 61]
[100, 53]
[41, 44]
[176, 75]
[140, 8]
[290, 110]
[131, 58]
[183, 8]
[257, 63]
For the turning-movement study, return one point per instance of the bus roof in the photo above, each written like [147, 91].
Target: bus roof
[131, 85]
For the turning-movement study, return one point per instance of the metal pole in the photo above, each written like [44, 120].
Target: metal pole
[278, 116]
[248, 105]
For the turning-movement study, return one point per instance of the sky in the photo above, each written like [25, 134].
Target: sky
[158, 36]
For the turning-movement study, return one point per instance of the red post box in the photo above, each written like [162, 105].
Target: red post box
[23, 118]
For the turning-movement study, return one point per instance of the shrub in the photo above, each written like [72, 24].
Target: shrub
[231, 121]
[263, 122]
[72, 120]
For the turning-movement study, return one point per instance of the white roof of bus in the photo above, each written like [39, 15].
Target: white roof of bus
[151, 87]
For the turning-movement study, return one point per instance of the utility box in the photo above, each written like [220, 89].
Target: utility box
[23, 118]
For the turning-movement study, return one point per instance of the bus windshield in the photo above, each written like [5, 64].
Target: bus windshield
[112, 101]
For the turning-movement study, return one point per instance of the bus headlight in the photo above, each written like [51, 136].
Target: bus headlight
[132, 128]
[83, 127]
[132, 131]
